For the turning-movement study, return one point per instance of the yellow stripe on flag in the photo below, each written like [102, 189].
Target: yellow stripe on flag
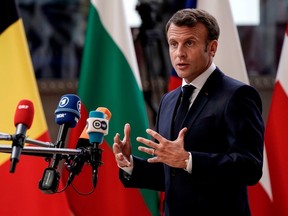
[17, 82]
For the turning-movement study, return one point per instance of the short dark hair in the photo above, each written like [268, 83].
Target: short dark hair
[191, 16]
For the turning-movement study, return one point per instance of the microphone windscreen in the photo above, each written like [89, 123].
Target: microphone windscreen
[68, 110]
[24, 113]
[106, 112]
[95, 124]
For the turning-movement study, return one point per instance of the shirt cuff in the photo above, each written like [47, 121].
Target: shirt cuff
[189, 164]
[128, 169]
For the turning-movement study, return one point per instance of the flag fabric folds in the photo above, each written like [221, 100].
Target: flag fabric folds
[19, 191]
[110, 78]
[275, 202]
[229, 57]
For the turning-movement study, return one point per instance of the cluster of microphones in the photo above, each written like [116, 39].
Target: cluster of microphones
[67, 115]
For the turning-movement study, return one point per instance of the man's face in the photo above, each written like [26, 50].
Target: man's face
[190, 52]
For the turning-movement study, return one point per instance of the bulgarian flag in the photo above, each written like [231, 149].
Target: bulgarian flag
[275, 202]
[110, 78]
[19, 191]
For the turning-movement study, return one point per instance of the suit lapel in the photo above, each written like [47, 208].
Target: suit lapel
[202, 98]
[172, 105]
[196, 109]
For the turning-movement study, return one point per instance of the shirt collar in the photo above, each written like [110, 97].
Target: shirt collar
[199, 81]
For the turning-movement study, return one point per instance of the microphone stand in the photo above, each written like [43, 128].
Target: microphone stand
[95, 160]
[31, 150]
[50, 180]
[9, 137]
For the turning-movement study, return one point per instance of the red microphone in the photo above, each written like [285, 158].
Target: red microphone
[22, 120]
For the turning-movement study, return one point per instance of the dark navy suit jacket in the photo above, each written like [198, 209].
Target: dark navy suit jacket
[225, 138]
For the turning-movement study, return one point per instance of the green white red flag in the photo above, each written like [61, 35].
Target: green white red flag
[110, 78]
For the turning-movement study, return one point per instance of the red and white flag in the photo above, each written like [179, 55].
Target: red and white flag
[275, 202]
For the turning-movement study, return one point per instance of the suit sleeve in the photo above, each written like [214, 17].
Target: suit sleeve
[144, 175]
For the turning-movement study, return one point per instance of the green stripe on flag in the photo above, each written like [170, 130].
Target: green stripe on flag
[107, 80]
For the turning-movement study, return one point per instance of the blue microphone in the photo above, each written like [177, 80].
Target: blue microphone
[68, 110]
[67, 116]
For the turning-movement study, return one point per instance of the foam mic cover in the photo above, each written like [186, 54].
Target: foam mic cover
[68, 110]
[107, 113]
[97, 126]
[24, 113]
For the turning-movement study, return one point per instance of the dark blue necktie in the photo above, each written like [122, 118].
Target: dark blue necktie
[183, 108]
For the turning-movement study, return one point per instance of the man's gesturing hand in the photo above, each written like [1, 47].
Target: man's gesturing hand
[169, 152]
[122, 148]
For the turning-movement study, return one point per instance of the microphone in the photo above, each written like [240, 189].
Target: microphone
[89, 153]
[67, 116]
[97, 127]
[79, 160]
[22, 120]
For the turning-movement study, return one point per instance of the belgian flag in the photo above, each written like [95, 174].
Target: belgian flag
[19, 190]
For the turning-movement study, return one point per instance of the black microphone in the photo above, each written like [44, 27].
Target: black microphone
[97, 127]
[89, 152]
[67, 116]
[78, 162]
[22, 120]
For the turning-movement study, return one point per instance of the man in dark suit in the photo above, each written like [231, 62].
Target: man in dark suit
[205, 164]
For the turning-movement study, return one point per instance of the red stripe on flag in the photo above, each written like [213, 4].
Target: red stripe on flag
[107, 173]
[260, 204]
[106, 200]
[277, 148]
[21, 192]
[174, 83]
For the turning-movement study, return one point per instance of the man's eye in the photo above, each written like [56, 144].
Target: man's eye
[173, 45]
[190, 43]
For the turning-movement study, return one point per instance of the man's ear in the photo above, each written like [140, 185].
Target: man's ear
[213, 47]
